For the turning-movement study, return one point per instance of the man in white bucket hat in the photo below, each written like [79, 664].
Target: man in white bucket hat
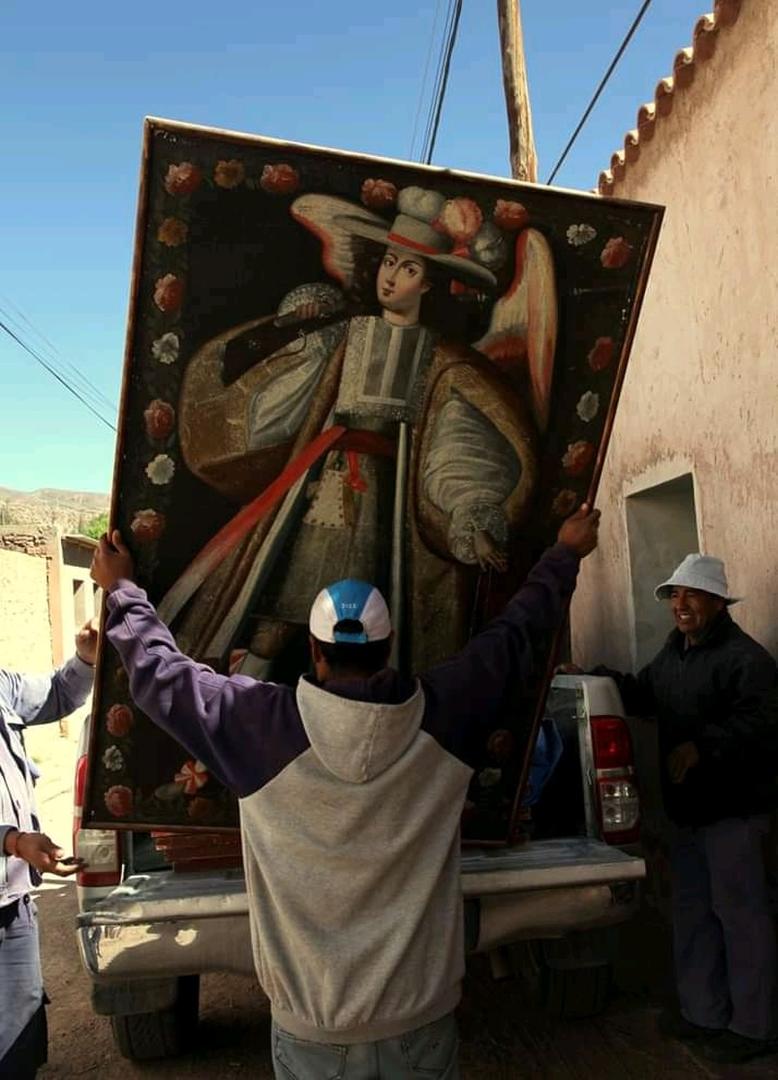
[712, 690]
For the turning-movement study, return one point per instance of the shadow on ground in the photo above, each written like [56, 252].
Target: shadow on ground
[503, 1036]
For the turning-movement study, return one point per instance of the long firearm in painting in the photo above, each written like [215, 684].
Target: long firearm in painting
[271, 334]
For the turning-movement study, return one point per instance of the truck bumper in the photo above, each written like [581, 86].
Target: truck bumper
[163, 925]
[549, 888]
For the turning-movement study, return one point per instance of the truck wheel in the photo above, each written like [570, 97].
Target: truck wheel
[576, 992]
[166, 1033]
[569, 977]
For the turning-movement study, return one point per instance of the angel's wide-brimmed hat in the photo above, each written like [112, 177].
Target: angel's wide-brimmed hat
[418, 237]
[339, 223]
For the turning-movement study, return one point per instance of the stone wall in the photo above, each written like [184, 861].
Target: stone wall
[29, 543]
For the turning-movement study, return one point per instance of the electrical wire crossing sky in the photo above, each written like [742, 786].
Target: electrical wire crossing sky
[414, 81]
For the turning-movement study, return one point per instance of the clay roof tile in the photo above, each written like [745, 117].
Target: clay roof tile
[704, 38]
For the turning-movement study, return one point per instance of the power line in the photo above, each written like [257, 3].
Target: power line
[56, 374]
[54, 357]
[443, 82]
[636, 23]
[424, 79]
[436, 82]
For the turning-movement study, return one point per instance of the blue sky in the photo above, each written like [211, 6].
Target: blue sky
[77, 79]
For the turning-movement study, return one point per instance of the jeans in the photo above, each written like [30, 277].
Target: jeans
[22, 1019]
[723, 932]
[430, 1051]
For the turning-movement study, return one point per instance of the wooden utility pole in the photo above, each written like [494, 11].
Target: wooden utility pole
[524, 162]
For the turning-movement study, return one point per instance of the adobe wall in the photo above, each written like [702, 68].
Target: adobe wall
[701, 392]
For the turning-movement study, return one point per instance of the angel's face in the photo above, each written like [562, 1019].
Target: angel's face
[400, 285]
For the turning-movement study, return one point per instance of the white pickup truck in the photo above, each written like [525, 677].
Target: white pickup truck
[147, 929]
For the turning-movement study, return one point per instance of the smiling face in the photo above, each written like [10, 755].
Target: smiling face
[694, 610]
[400, 285]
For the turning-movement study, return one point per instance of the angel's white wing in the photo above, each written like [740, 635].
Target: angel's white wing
[524, 321]
[322, 215]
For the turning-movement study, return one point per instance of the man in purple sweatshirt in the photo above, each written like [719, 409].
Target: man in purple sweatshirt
[350, 788]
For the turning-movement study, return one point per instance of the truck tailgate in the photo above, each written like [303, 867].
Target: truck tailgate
[165, 896]
[547, 864]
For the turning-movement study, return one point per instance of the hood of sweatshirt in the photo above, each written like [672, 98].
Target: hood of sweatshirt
[359, 727]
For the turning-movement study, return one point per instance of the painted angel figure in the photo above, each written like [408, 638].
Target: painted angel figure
[367, 445]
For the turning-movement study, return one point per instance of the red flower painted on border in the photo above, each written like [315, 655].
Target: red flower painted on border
[160, 418]
[281, 179]
[118, 800]
[601, 355]
[168, 292]
[510, 216]
[616, 253]
[147, 526]
[578, 458]
[119, 720]
[172, 232]
[182, 179]
[378, 194]
[192, 775]
[564, 504]
[461, 218]
[229, 174]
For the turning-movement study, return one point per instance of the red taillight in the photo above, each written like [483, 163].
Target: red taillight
[618, 801]
[99, 848]
[612, 744]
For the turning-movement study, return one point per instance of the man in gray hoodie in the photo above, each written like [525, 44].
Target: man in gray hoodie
[350, 788]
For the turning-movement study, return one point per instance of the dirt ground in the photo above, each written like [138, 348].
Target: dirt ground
[503, 1037]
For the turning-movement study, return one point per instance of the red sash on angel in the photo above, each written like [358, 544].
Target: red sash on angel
[229, 536]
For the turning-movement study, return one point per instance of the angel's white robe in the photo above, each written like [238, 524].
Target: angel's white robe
[467, 473]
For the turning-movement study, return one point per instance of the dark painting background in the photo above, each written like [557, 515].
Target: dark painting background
[237, 253]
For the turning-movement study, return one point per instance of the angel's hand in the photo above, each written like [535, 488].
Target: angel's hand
[314, 309]
[487, 553]
[307, 311]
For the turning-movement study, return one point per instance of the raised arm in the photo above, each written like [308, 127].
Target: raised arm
[244, 731]
[39, 699]
[467, 690]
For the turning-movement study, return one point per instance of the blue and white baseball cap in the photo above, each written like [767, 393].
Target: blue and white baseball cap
[356, 601]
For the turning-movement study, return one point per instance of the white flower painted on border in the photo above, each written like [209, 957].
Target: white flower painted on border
[588, 407]
[580, 234]
[113, 760]
[160, 469]
[165, 349]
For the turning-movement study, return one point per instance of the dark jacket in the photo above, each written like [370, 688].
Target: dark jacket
[722, 695]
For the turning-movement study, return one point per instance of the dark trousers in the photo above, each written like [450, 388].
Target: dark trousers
[30, 1050]
[724, 937]
[22, 1015]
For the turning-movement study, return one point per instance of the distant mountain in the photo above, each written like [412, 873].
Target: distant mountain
[50, 508]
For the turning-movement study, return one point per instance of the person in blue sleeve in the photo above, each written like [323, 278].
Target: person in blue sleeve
[26, 852]
[351, 787]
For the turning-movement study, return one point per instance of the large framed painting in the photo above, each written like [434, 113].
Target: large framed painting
[343, 366]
